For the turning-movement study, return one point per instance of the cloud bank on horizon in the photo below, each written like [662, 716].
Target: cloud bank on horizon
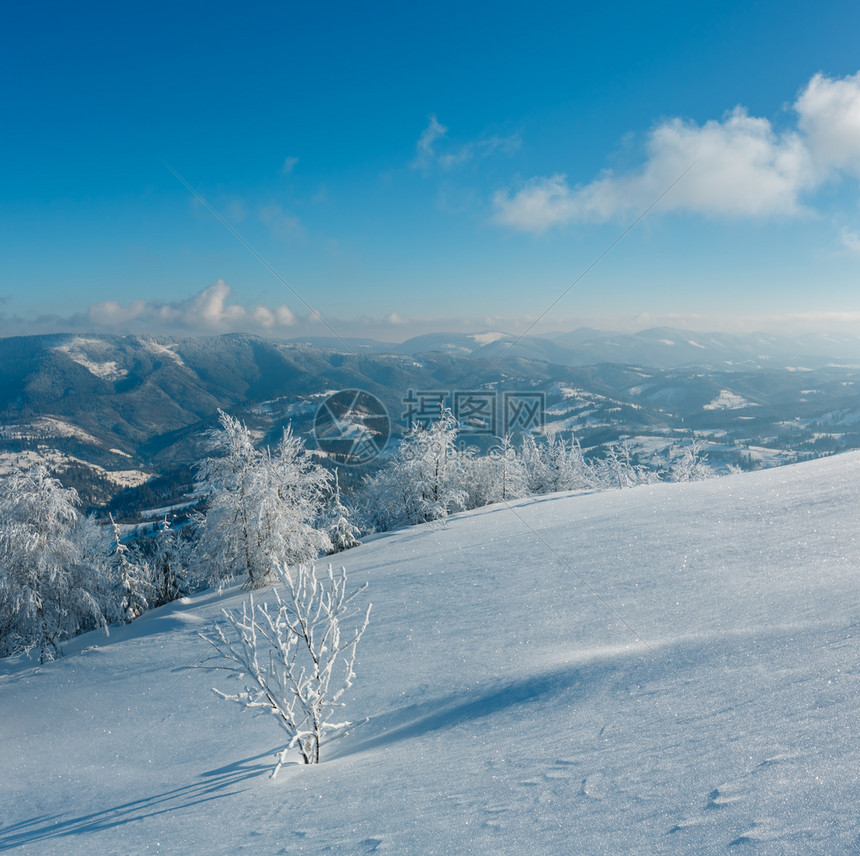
[739, 166]
[209, 309]
[214, 310]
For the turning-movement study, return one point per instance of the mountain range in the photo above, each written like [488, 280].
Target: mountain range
[110, 413]
[657, 347]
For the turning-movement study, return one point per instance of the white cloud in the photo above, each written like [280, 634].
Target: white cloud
[269, 319]
[541, 203]
[284, 316]
[209, 311]
[211, 307]
[395, 319]
[829, 112]
[427, 155]
[424, 148]
[264, 317]
[109, 313]
[478, 149]
[851, 241]
[289, 165]
[739, 166]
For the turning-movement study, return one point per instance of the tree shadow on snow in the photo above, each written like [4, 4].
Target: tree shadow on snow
[467, 706]
[213, 785]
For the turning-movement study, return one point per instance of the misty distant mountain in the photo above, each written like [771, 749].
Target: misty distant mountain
[665, 347]
[659, 347]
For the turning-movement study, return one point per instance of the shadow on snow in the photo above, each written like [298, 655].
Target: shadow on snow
[467, 706]
[214, 784]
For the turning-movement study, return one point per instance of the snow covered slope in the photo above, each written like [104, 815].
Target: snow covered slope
[668, 669]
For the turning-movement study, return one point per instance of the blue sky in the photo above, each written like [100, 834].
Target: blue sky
[410, 168]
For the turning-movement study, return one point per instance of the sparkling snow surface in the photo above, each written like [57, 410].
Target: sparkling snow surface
[669, 669]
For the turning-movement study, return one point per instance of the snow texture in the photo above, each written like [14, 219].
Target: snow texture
[670, 669]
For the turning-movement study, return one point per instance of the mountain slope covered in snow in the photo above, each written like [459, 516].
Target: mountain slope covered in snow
[667, 669]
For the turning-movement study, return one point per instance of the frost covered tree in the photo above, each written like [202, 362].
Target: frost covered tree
[99, 570]
[297, 656]
[47, 580]
[132, 578]
[689, 464]
[480, 480]
[556, 464]
[620, 469]
[290, 493]
[264, 505]
[342, 532]
[169, 563]
[225, 532]
[572, 470]
[436, 467]
[511, 476]
[539, 474]
[422, 481]
[496, 477]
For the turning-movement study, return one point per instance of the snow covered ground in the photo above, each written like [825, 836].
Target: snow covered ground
[668, 669]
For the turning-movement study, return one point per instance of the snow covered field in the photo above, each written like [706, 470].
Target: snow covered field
[672, 668]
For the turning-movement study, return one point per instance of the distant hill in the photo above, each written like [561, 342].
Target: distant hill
[110, 412]
[659, 347]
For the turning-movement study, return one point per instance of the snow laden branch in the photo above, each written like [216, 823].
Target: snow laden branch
[294, 654]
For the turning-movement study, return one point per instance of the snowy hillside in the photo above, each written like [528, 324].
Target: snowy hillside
[667, 669]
